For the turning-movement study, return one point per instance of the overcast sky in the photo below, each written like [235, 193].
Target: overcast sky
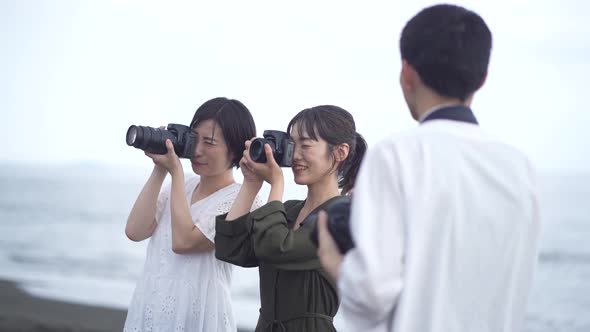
[75, 74]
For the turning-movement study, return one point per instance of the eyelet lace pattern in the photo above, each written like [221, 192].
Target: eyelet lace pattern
[184, 292]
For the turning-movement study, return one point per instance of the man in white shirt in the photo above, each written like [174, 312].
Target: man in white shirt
[445, 217]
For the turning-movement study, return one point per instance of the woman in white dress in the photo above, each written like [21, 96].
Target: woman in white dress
[183, 286]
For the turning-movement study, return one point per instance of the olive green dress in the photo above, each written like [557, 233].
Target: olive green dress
[295, 295]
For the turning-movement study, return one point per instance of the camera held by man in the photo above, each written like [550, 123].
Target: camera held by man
[338, 211]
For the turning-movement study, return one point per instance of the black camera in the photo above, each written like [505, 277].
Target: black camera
[153, 140]
[338, 211]
[281, 144]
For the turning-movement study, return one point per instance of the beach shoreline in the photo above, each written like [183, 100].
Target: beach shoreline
[20, 311]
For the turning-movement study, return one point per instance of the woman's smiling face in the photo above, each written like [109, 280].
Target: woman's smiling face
[311, 160]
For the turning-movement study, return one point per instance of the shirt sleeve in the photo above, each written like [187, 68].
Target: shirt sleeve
[277, 244]
[233, 239]
[370, 280]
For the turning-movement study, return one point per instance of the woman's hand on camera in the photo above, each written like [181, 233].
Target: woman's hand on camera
[270, 171]
[250, 176]
[330, 256]
[168, 161]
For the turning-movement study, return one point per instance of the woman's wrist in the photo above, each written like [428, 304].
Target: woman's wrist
[176, 169]
[252, 186]
[159, 171]
[276, 177]
[276, 190]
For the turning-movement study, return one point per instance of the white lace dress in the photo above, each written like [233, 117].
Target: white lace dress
[184, 292]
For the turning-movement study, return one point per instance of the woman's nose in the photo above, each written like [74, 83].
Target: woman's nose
[199, 148]
[297, 152]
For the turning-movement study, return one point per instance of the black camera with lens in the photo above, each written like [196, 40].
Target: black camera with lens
[153, 140]
[281, 144]
[338, 211]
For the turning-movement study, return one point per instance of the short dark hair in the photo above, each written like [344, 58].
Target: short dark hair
[235, 121]
[449, 46]
[336, 126]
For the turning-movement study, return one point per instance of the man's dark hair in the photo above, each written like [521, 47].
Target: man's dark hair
[235, 121]
[449, 46]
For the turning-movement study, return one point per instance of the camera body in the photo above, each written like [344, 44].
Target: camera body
[153, 140]
[338, 212]
[281, 144]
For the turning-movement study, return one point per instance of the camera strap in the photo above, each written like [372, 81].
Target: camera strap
[454, 113]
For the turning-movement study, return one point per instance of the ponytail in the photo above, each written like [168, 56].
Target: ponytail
[352, 164]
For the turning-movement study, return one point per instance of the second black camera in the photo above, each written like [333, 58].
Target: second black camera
[281, 144]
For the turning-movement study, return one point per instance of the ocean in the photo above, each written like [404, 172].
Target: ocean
[62, 236]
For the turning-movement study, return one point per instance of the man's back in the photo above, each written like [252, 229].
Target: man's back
[445, 218]
[467, 223]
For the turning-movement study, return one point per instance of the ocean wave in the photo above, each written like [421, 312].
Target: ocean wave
[101, 268]
[564, 258]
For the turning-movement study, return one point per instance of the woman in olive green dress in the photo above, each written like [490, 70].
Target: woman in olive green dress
[295, 295]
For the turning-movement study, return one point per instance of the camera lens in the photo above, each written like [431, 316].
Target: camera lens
[131, 135]
[338, 211]
[257, 150]
[149, 139]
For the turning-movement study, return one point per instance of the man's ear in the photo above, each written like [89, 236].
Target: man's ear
[483, 80]
[341, 152]
[408, 76]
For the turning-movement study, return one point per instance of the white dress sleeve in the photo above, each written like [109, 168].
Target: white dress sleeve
[220, 204]
[370, 278]
[205, 220]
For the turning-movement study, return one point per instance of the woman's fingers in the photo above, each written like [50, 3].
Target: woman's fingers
[268, 152]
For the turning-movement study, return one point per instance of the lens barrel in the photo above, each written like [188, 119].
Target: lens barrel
[257, 153]
[152, 140]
